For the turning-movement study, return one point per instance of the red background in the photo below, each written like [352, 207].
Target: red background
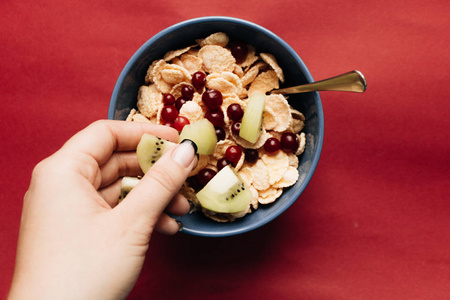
[374, 221]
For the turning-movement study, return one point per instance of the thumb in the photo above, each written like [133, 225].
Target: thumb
[147, 201]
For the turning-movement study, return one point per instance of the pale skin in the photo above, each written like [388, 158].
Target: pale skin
[76, 241]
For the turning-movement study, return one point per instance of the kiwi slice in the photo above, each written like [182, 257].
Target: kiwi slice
[127, 184]
[150, 149]
[251, 123]
[225, 192]
[203, 134]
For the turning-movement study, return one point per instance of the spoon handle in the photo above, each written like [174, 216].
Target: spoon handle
[352, 81]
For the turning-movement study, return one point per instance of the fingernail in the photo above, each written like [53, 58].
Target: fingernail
[180, 226]
[192, 143]
[184, 153]
[192, 208]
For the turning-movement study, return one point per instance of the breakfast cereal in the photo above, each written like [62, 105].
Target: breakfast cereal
[236, 79]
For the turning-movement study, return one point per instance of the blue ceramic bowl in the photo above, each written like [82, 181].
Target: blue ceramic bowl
[183, 34]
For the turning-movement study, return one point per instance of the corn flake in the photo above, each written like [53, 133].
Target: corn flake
[189, 194]
[250, 75]
[229, 99]
[176, 89]
[175, 53]
[302, 144]
[192, 111]
[218, 38]
[250, 59]
[293, 160]
[218, 217]
[238, 71]
[191, 63]
[289, 178]
[255, 195]
[264, 82]
[177, 61]
[272, 62]
[132, 112]
[216, 59]
[157, 78]
[149, 75]
[246, 144]
[174, 74]
[270, 195]
[149, 100]
[260, 176]
[281, 111]
[269, 121]
[277, 165]
[225, 82]
[242, 213]
[246, 173]
[297, 121]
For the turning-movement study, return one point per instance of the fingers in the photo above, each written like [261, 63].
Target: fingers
[111, 193]
[146, 202]
[167, 225]
[118, 165]
[178, 206]
[102, 138]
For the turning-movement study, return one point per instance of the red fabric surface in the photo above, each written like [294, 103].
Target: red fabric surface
[374, 221]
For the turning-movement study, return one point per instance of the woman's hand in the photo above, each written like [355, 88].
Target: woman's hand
[76, 241]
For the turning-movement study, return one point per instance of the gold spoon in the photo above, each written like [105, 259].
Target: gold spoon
[352, 81]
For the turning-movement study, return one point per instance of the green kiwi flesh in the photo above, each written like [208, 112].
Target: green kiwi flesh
[225, 192]
[150, 149]
[251, 123]
[127, 184]
[203, 134]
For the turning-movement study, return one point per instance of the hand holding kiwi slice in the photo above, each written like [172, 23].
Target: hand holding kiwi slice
[224, 193]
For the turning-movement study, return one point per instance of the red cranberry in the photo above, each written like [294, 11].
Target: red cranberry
[179, 103]
[180, 122]
[199, 80]
[251, 155]
[236, 127]
[289, 142]
[220, 133]
[272, 145]
[233, 154]
[168, 99]
[239, 50]
[235, 112]
[187, 92]
[216, 117]
[169, 113]
[205, 175]
[212, 98]
[221, 163]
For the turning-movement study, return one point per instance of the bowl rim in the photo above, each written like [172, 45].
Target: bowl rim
[232, 20]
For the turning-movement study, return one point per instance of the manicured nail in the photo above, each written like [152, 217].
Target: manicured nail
[185, 153]
[192, 142]
[180, 226]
